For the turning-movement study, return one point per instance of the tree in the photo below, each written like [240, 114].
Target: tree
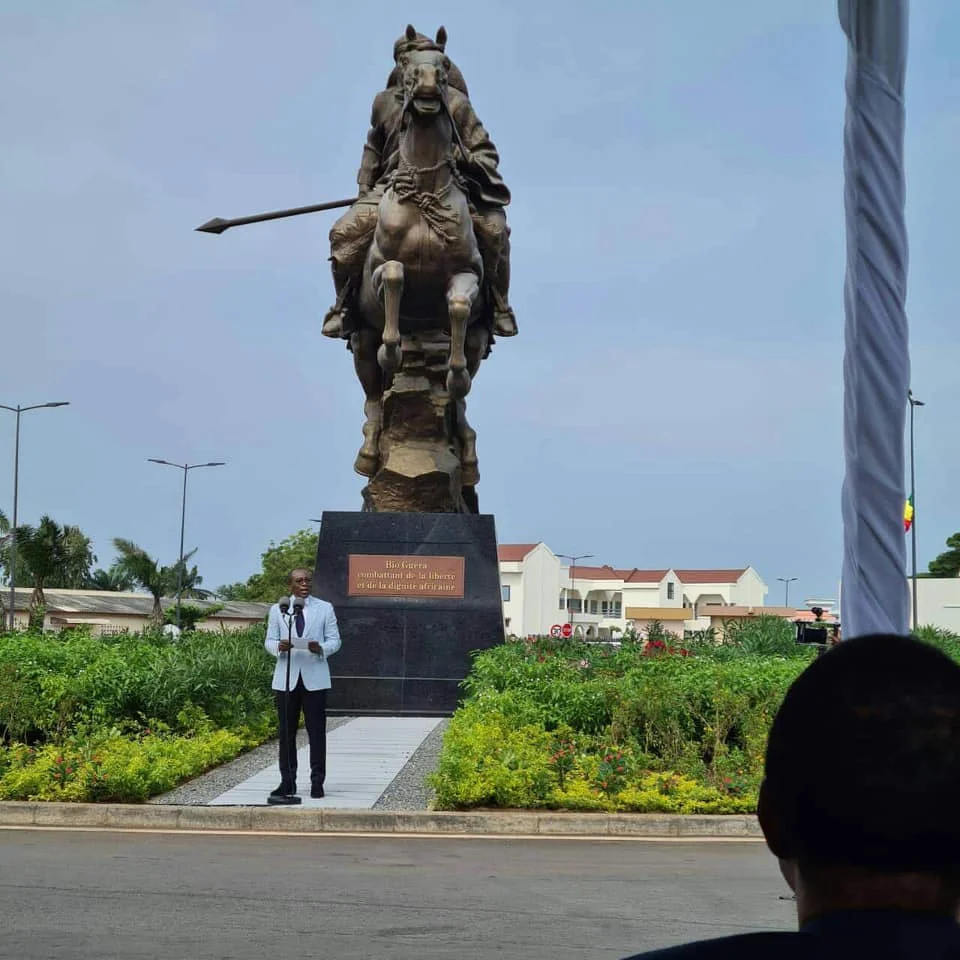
[135, 563]
[190, 585]
[191, 615]
[297, 551]
[145, 572]
[54, 556]
[5, 538]
[74, 571]
[947, 564]
[116, 579]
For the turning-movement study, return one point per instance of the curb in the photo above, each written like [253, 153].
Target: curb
[119, 816]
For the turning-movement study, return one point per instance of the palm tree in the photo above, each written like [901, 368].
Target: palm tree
[53, 555]
[4, 537]
[78, 557]
[115, 579]
[4, 542]
[190, 587]
[158, 581]
[145, 572]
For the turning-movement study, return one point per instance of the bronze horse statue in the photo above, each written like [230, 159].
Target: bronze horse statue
[423, 270]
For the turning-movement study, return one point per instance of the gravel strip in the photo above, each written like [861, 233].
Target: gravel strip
[407, 790]
[208, 786]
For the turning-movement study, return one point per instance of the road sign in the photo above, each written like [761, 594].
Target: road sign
[567, 631]
[556, 631]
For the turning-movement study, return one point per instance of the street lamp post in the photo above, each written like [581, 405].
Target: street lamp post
[186, 468]
[573, 573]
[914, 403]
[16, 489]
[786, 581]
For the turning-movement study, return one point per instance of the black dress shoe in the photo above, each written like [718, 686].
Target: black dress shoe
[284, 790]
[316, 792]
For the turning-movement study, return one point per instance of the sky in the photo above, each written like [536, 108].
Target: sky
[674, 396]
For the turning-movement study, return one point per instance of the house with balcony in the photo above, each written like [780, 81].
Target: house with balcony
[539, 591]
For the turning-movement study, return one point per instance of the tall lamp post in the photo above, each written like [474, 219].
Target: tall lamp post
[573, 573]
[786, 581]
[914, 403]
[16, 484]
[186, 468]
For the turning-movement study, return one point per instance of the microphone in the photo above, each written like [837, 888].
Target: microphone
[298, 605]
[284, 605]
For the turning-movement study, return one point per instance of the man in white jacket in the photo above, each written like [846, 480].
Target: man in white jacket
[315, 636]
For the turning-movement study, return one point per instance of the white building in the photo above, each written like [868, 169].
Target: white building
[938, 602]
[540, 592]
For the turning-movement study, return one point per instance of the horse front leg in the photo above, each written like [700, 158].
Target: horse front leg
[388, 282]
[364, 344]
[461, 294]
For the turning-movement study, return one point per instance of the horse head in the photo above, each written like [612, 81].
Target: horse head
[424, 76]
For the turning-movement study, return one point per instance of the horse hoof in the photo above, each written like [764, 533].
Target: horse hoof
[389, 358]
[366, 464]
[458, 383]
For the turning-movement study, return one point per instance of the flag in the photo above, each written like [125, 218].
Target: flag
[908, 514]
[876, 363]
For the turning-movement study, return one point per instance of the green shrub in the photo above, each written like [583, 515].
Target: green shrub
[644, 727]
[110, 767]
[562, 724]
[489, 760]
[49, 685]
[126, 717]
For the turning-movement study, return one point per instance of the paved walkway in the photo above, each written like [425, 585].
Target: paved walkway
[363, 755]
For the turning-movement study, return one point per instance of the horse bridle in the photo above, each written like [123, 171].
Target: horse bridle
[458, 140]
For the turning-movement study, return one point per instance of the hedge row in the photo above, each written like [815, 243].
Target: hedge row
[646, 727]
[125, 718]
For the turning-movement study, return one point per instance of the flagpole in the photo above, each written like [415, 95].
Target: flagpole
[914, 403]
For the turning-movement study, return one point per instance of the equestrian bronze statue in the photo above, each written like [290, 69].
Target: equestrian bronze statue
[421, 270]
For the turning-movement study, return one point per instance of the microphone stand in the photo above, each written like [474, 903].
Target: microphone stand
[290, 799]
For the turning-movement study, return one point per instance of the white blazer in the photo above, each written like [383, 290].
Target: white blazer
[320, 624]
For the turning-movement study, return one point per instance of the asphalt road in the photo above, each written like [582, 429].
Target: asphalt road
[66, 894]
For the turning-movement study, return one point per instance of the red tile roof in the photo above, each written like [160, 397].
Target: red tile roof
[643, 576]
[607, 572]
[581, 572]
[655, 576]
[710, 576]
[513, 552]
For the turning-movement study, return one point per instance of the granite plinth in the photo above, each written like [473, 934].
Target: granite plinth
[408, 655]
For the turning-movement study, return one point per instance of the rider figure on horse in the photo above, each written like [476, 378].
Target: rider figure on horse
[476, 161]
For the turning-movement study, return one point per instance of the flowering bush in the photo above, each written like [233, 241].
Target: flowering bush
[654, 648]
[612, 773]
[563, 758]
[651, 725]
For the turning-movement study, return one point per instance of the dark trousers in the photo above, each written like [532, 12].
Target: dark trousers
[313, 704]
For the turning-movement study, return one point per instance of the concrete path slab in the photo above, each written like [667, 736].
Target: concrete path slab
[363, 758]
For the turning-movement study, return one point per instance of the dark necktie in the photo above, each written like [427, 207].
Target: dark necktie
[299, 621]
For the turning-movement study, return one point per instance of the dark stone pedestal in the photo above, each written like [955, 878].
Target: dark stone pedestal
[407, 655]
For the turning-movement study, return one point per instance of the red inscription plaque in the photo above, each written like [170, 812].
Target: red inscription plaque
[396, 576]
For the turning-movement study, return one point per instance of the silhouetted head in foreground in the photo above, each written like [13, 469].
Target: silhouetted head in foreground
[861, 796]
